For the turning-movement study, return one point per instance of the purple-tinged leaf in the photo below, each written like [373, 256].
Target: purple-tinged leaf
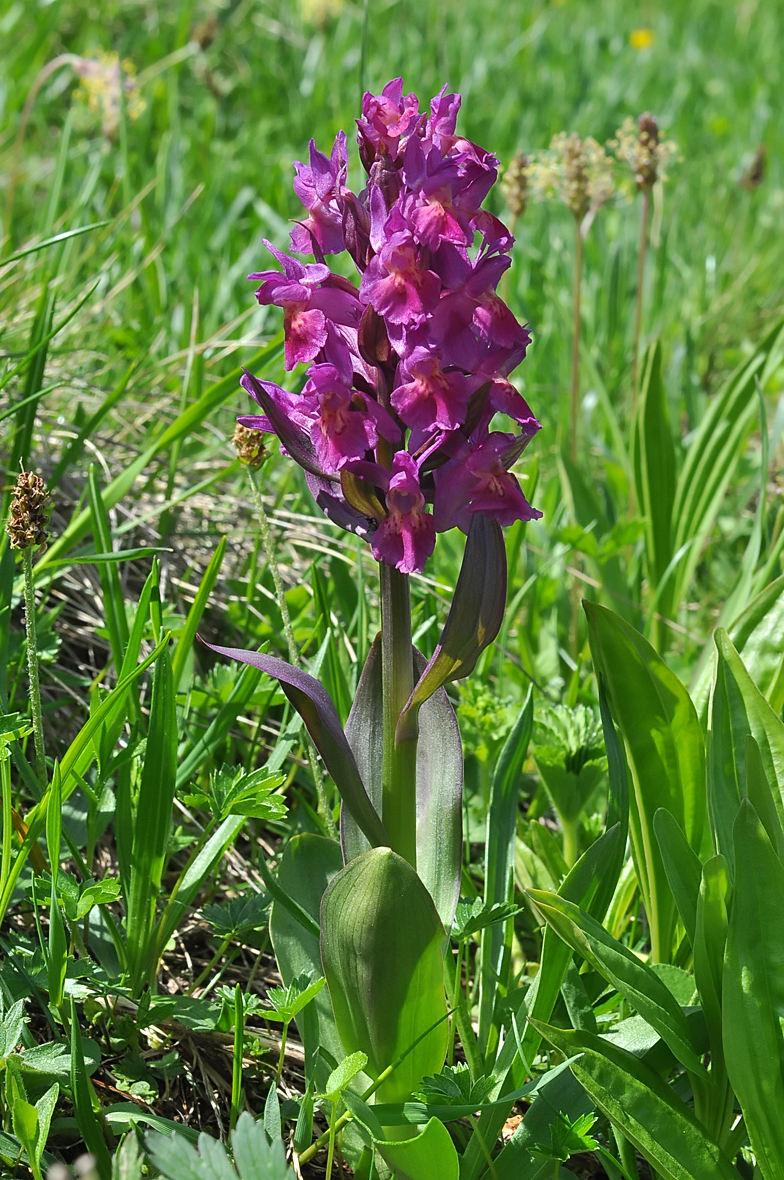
[439, 787]
[338, 510]
[474, 618]
[313, 703]
[294, 440]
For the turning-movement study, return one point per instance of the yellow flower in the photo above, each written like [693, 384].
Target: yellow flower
[100, 87]
[641, 38]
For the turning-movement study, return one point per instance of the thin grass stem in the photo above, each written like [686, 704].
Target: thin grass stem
[576, 325]
[32, 667]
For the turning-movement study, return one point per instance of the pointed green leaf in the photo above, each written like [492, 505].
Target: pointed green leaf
[682, 866]
[753, 990]
[665, 752]
[475, 616]
[643, 1107]
[636, 982]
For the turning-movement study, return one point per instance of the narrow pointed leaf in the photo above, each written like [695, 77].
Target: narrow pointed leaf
[314, 706]
[738, 709]
[643, 1107]
[475, 616]
[753, 990]
[499, 858]
[643, 989]
[665, 753]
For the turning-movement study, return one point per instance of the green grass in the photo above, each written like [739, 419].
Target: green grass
[119, 351]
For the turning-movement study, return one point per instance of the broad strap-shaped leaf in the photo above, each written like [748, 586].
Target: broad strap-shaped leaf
[682, 866]
[756, 636]
[713, 456]
[642, 1106]
[590, 883]
[641, 986]
[753, 990]
[665, 753]
[425, 1156]
[382, 953]
[738, 709]
[474, 618]
[499, 857]
[654, 466]
[439, 786]
[306, 868]
[313, 703]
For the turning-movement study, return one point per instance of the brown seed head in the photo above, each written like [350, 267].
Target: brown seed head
[639, 145]
[250, 446]
[514, 185]
[26, 524]
[755, 173]
[575, 170]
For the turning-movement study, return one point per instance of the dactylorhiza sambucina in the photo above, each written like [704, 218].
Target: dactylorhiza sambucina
[409, 368]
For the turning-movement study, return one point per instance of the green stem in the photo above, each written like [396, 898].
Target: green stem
[282, 1056]
[5, 781]
[294, 657]
[236, 1071]
[399, 759]
[570, 844]
[646, 206]
[32, 667]
[331, 1150]
[578, 279]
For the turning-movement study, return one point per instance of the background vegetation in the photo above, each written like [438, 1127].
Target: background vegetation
[121, 349]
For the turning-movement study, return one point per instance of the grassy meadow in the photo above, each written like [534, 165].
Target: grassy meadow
[129, 220]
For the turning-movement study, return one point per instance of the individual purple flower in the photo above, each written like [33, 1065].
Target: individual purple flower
[386, 119]
[426, 397]
[343, 424]
[311, 296]
[407, 537]
[397, 285]
[477, 479]
[318, 185]
[429, 208]
[440, 128]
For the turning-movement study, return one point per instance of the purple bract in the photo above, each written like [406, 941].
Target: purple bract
[408, 370]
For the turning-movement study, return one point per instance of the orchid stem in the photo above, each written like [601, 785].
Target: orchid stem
[578, 279]
[294, 656]
[399, 759]
[32, 667]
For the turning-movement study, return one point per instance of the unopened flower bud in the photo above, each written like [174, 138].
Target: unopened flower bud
[250, 446]
[26, 525]
[514, 185]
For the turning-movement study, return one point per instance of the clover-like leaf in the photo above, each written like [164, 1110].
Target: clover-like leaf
[238, 914]
[453, 1087]
[567, 1138]
[288, 1002]
[231, 791]
[473, 916]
